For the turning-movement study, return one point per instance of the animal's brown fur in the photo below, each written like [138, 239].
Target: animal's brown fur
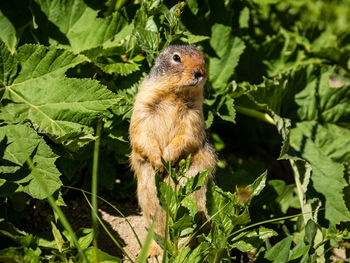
[167, 121]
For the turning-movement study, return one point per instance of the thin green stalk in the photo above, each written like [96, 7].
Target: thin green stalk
[164, 259]
[145, 248]
[54, 206]
[111, 205]
[255, 114]
[109, 234]
[94, 186]
[265, 222]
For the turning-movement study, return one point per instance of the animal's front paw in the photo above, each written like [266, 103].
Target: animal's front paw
[170, 154]
[156, 162]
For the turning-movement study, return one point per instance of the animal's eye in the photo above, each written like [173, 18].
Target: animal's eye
[176, 58]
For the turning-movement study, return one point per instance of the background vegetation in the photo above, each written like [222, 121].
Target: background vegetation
[277, 99]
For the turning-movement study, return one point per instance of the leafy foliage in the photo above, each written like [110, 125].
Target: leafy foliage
[66, 65]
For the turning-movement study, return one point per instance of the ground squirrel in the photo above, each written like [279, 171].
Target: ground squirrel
[167, 122]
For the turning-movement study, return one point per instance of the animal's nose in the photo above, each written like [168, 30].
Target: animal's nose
[198, 74]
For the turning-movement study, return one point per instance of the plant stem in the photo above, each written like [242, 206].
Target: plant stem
[94, 186]
[305, 208]
[255, 114]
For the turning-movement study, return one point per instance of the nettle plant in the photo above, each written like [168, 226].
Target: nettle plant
[214, 239]
[278, 89]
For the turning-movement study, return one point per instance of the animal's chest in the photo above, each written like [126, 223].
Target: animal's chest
[168, 120]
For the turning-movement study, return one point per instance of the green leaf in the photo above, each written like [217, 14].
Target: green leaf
[244, 18]
[194, 182]
[253, 239]
[18, 254]
[310, 231]
[193, 6]
[64, 109]
[103, 257]
[80, 25]
[7, 32]
[318, 114]
[228, 50]
[42, 62]
[258, 185]
[226, 110]
[8, 230]
[8, 67]
[58, 237]
[122, 68]
[327, 175]
[279, 253]
[85, 237]
[223, 208]
[300, 250]
[19, 142]
[193, 39]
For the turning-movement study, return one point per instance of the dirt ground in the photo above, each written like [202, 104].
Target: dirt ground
[78, 215]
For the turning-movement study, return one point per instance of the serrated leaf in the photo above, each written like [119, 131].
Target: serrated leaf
[327, 175]
[38, 61]
[122, 68]
[228, 50]
[57, 106]
[320, 136]
[80, 25]
[19, 142]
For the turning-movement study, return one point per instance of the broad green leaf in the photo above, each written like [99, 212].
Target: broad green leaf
[38, 62]
[279, 253]
[318, 114]
[7, 32]
[228, 51]
[19, 142]
[77, 25]
[8, 67]
[122, 68]
[327, 175]
[62, 108]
